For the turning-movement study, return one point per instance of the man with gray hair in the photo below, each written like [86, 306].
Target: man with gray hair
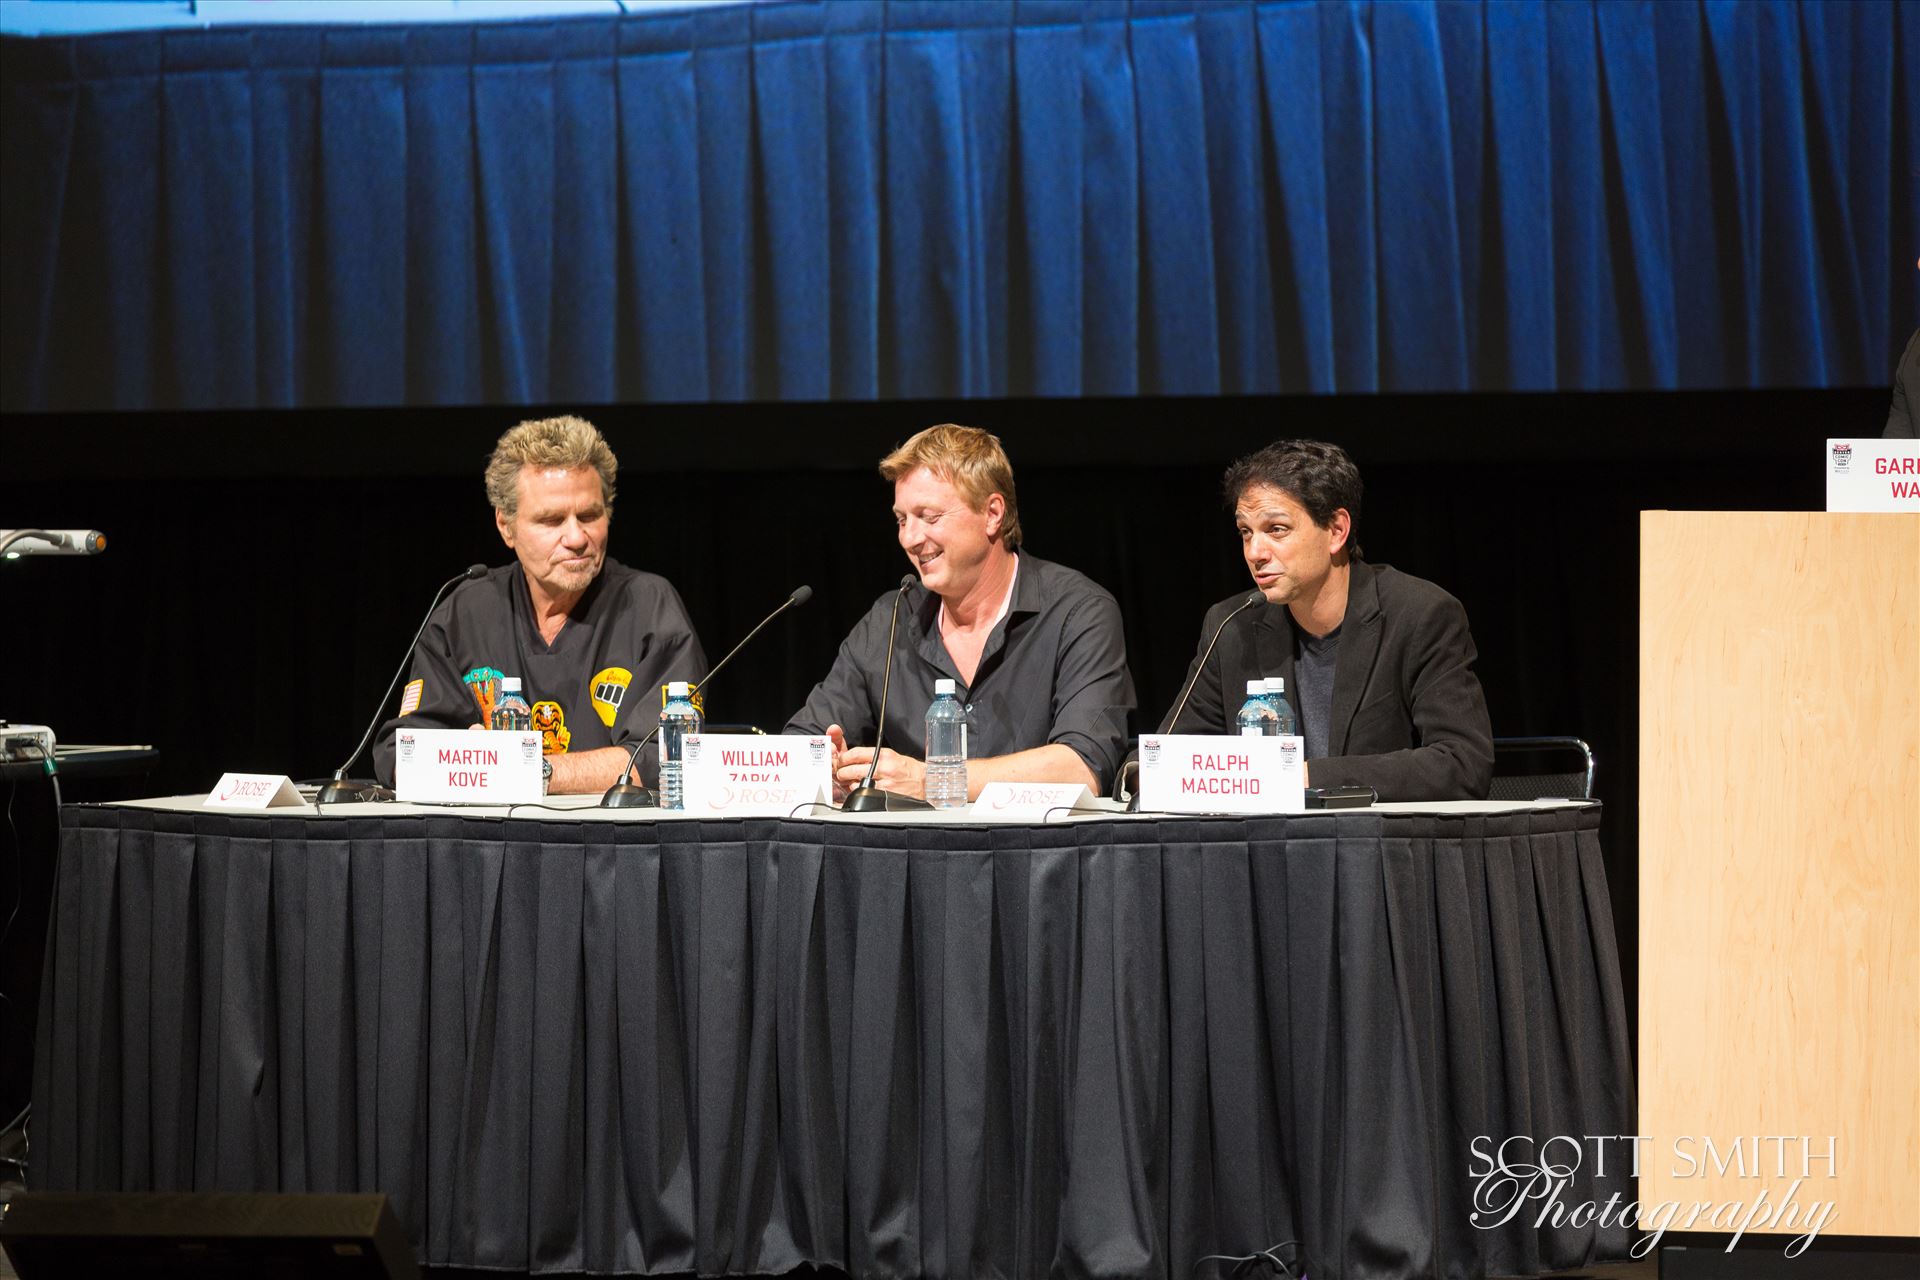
[589, 639]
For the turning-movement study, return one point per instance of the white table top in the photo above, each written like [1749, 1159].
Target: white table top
[586, 809]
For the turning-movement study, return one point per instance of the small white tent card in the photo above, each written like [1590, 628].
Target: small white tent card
[1030, 801]
[253, 791]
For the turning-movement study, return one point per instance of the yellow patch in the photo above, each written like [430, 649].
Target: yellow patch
[609, 689]
[551, 721]
[410, 697]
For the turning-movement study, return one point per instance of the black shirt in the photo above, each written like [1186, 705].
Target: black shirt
[597, 684]
[1053, 670]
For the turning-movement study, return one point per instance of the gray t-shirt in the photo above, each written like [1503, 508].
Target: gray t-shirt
[1313, 661]
[1053, 670]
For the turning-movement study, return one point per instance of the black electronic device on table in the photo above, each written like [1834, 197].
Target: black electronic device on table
[1341, 797]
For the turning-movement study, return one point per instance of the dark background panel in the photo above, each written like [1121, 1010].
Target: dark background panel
[265, 570]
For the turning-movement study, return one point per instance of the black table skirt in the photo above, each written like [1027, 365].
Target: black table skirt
[736, 1047]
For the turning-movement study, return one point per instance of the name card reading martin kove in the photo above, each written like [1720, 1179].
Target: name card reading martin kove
[1209, 773]
[467, 766]
[749, 775]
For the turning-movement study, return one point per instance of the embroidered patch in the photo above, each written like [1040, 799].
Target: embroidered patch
[410, 696]
[485, 684]
[609, 689]
[551, 721]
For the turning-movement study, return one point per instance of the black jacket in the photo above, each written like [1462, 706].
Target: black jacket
[1409, 718]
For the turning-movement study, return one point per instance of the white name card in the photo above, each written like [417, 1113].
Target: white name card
[467, 766]
[748, 775]
[253, 791]
[1873, 475]
[1029, 801]
[1205, 773]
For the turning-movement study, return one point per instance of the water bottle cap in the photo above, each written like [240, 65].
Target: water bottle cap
[679, 689]
[1256, 686]
[1276, 685]
[943, 687]
[509, 684]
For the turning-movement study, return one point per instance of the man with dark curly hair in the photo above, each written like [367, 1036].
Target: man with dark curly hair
[1378, 664]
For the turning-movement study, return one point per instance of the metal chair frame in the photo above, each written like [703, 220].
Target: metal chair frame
[1545, 744]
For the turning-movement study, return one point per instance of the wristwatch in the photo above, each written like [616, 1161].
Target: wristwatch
[546, 774]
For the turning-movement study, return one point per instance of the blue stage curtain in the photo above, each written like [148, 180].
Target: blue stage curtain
[939, 199]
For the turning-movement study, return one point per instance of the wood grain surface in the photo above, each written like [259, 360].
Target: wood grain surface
[1780, 863]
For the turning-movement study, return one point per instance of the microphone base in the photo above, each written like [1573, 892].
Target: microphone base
[874, 800]
[628, 795]
[346, 791]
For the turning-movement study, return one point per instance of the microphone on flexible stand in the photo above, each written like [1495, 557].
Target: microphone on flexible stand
[867, 798]
[1253, 598]
[341, 788]
[1132, 767]
[626, 793]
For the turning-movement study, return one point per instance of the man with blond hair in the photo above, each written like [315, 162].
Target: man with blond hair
[1035, 649]
[590, 640]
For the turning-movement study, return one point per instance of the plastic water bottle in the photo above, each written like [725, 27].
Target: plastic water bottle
[946, 748]
[1257, 719]
[677, 719]
[1277, 699]
[512, 711]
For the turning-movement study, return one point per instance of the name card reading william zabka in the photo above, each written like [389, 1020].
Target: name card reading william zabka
[1208, 773]
[467, 766]
[749, 775]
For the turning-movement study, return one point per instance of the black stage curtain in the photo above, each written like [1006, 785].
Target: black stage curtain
[736, 1047]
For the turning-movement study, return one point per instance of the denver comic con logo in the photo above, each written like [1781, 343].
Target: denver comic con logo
[1842, 458]
[1520, 1176]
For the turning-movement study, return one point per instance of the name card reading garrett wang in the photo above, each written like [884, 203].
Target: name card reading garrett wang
[467, 766]
[1873, 475]
[1208, 773]
[253, 791]
[747, 774]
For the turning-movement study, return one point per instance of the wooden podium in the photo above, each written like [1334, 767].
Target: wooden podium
[1780, 863]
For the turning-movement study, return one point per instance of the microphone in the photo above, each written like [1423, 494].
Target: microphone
[867, 798]
[1131, 769]
[626, 794]
[340, 789]
[15, 543]
[1253, 598]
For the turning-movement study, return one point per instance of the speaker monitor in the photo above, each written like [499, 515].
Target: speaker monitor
[53, 1235]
